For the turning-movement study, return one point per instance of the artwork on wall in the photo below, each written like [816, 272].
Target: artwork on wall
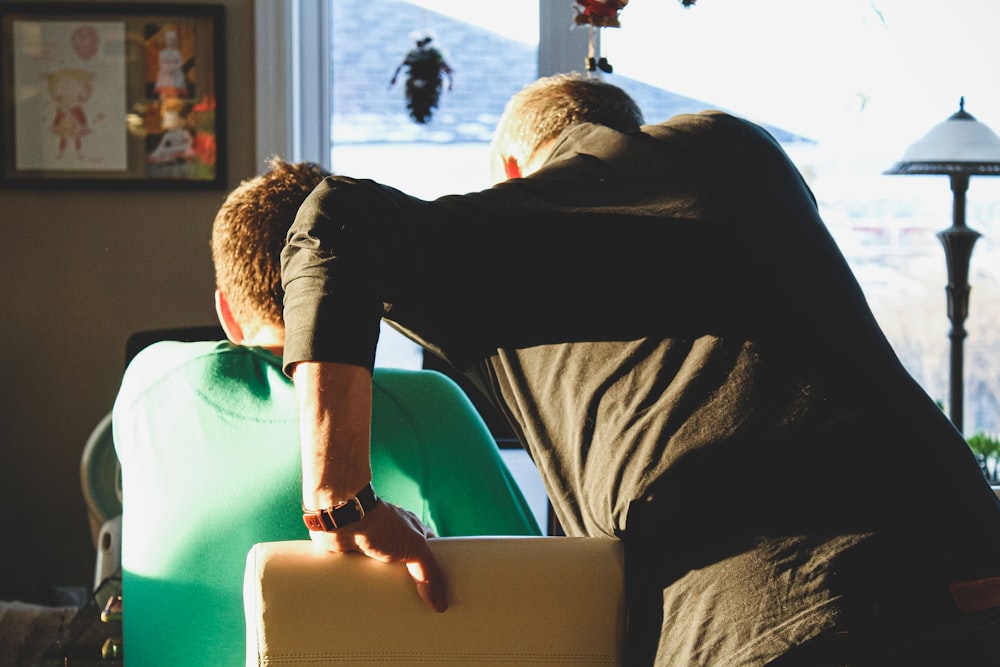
[112, 95]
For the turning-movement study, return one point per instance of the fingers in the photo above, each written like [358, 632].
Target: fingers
[429, 577]
[391, 534]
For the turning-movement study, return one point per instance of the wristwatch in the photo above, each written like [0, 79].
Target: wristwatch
[342, 514]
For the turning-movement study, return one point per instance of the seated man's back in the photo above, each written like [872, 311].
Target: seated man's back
[207, 436]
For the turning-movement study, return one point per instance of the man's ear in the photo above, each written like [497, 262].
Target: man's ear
[234, 332]
[511, 168]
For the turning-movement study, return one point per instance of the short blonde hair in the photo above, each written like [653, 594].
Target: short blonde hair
[547, 106]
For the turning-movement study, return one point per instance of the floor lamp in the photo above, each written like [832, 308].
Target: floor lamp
[959, 147]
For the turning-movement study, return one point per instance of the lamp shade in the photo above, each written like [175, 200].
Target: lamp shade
[959, 145]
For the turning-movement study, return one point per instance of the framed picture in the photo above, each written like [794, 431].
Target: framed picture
[127, 95]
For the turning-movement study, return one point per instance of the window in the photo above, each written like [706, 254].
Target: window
[374, 134]
[859, 80]
[846, 85]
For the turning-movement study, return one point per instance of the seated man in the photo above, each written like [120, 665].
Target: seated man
[208, 442]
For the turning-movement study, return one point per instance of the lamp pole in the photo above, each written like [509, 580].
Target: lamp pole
[959, 147]
[958, 241]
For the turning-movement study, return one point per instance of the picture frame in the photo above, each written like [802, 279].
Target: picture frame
[112, 95]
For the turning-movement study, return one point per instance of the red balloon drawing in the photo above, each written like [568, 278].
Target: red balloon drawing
[85, 41]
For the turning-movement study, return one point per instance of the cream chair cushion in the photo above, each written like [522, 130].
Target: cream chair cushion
[513, 601]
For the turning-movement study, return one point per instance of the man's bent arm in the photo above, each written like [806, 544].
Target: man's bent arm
[335, 433]
[332, 311]
[335, 404]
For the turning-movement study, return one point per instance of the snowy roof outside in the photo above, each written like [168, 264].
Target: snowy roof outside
[371, 39]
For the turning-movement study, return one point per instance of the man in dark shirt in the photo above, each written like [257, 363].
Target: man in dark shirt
[678, 342]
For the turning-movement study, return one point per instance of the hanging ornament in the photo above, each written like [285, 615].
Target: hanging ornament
[598, 14]
[425, 66]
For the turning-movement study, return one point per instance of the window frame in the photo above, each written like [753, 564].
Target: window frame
[292, 46]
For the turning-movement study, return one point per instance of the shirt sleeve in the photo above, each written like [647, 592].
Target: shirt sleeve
[330, 275]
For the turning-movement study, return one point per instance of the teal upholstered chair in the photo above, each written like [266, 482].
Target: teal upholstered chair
[191, 517]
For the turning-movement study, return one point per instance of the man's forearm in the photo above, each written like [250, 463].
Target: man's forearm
[335, 404]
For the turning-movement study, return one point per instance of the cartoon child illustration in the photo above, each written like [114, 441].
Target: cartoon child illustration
[70, 88]
[170, 76]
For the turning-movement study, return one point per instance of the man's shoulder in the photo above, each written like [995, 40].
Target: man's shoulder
[684, 131]
[707, 126]
[166, 356]
[361, 192]
[198, 365]
[175, 389]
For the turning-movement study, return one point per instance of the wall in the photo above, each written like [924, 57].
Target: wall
[82, 271]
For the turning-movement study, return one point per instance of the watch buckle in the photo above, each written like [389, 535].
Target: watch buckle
[357, 504]
[361, 509]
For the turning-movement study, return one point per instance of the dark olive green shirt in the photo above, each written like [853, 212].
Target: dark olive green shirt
[679, 343]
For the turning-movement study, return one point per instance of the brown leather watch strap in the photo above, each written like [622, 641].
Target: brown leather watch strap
[343, 514]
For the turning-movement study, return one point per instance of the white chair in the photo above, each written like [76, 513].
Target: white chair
[101, 483]
[513, 601]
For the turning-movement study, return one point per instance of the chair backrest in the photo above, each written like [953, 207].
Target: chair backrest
[100, 477]
[513, 601]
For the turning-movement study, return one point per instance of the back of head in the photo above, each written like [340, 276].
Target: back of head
[544, 108]
[249, 233]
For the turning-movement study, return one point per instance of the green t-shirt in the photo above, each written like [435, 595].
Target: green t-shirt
[207, 436]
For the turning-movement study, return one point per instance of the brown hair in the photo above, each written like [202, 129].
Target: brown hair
[249, 233]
